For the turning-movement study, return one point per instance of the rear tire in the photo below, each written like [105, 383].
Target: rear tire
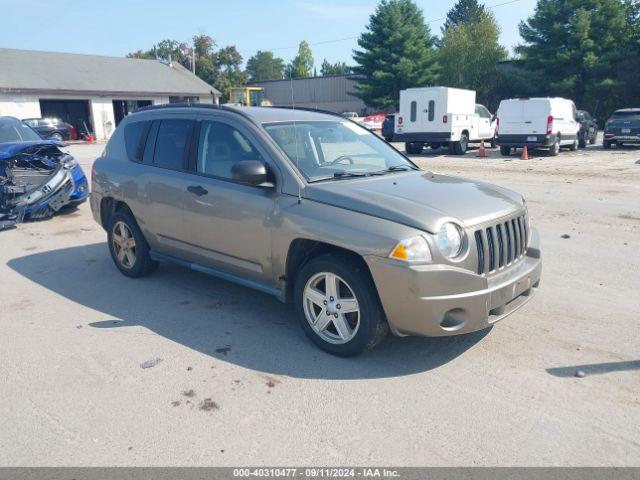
[460, 147]
[606, 145]
[505, 151]
[574, 146]
[413, 148]
[353, 332]
[128, 247]
[554, 150]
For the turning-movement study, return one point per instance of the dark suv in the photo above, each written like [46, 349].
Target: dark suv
[318, 211]
[623, 127]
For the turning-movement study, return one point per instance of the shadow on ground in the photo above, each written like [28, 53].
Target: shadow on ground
[595, 368]
[220, 319]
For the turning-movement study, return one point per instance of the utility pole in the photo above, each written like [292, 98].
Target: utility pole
[193, 59]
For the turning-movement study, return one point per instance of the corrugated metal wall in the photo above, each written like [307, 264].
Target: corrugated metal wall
[326, 93]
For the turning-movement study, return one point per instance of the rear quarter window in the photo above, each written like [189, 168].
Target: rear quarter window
[134, 134]
[171, 143]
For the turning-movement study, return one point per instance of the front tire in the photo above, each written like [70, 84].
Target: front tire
[128, 247]
[57, 136]
[338, 306]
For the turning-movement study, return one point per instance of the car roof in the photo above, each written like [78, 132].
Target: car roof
[628, 110]
[257, 114]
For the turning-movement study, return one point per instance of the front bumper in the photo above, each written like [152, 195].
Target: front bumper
[439, 300]
[518, 141]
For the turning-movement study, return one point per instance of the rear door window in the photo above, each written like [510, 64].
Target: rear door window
[171, 143]
[414, 111]
[432, 110]
[134, 134]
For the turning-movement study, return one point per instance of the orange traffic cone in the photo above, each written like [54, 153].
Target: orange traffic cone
[482, 152]
[525, 154]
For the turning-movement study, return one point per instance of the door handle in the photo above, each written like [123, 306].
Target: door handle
[197, 190]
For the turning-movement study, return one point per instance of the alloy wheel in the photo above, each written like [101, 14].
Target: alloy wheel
[124, 244]
[331, 308]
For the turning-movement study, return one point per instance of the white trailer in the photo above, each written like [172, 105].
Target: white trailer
[439, 116]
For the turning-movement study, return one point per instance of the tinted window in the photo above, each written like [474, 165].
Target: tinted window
[220, 146]
[414, 111]
[133, 140]
[171, 143]
[432, 110]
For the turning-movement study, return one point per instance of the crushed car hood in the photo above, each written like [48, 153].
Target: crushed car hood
[418, 199]
[8, 150]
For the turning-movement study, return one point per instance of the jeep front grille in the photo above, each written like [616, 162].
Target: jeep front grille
[501, 245]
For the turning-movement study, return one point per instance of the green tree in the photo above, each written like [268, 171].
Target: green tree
[396, 52]
[469, 56]
[338, 68]
[229, 69]
[577, 46]
[464, 11]
[178, 52]
[265, 66]
[302, 65]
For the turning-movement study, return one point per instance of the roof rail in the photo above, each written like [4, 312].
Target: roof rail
[182, 105]
[207, 106]
[308, 109]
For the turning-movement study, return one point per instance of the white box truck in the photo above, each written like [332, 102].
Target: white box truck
[537, 123]
[442, 116]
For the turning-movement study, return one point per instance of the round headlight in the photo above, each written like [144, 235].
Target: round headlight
[450, 241]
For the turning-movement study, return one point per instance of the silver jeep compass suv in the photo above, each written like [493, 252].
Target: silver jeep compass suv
[318, 211]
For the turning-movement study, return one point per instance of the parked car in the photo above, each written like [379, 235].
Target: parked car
[442, 116]
[37, 179]
[373, 122]
[351, 116]
[537, 123]
[387, 127]
[623, 127]
[52, 128]
[588, 129]
[317, 211]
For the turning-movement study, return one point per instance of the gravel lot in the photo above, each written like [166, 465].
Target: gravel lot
[238, 383]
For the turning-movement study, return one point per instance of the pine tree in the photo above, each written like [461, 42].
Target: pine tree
[396, 52]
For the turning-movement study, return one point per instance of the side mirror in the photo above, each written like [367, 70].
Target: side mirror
[251, 172]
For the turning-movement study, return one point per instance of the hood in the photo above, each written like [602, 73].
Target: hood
[419, 199]
[9, 149]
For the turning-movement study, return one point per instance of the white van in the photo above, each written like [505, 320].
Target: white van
[440, 116]
[537, 123]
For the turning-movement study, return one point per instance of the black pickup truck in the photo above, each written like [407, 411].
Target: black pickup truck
[622, 128]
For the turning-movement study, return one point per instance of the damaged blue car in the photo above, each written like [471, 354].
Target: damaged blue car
[37, 179]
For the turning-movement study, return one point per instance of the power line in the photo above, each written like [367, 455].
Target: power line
[344, 39]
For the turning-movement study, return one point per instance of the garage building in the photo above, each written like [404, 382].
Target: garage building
[91, 92]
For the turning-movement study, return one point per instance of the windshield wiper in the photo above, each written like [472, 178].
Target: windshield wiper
[393, 168]
[340, 174]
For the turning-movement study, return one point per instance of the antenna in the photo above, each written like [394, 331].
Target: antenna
[295, 129]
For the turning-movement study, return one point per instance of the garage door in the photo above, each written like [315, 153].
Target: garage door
[75, 112]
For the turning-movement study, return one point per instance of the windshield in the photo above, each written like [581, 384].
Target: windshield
[331, 149]
[13, 130]
[632, 115]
